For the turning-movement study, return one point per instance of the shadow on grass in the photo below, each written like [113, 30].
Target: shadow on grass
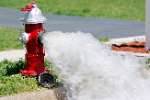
[8, 68]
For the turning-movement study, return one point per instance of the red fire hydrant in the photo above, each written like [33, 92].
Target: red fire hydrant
[34, 57]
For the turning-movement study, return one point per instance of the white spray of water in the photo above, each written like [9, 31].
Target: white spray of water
[90, 71]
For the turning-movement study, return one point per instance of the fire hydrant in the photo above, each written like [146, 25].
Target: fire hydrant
[34, 57]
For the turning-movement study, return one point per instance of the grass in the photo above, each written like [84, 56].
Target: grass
[9, 39]
[103, 39]
[117, 9]
[11, 82]
[148, 64]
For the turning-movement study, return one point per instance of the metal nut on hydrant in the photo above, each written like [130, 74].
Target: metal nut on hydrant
[34, 57]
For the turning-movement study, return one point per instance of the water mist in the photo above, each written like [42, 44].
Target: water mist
[90, 71]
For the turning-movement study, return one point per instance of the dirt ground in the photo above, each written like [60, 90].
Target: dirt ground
[55, 94]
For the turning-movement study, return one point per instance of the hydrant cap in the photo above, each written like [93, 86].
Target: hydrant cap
[33, 16]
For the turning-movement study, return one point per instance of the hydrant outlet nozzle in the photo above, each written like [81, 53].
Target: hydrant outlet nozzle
[24, 38]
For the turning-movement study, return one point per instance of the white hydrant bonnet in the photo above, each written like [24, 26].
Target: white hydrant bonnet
[33, 16]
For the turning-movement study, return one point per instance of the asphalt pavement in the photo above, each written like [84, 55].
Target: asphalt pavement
[98, 27]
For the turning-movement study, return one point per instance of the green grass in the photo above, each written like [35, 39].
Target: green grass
[118, 9]
[9, 39]
[103, 39]
[11, 82]
[148, 62]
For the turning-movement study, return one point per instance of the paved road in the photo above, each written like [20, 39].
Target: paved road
[98, 27]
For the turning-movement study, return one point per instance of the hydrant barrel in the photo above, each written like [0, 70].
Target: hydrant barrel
[31, 27]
